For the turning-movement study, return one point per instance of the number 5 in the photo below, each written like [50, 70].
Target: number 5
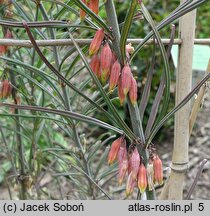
[201, 207]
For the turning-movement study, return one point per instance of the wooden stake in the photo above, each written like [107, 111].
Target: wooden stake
[183, 87]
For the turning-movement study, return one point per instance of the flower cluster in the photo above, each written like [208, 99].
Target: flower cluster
[92, 5]
[107, 66]
[131, 163]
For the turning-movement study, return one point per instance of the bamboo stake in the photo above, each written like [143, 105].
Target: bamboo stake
[183, 87]
[66, 42]
[197, 103]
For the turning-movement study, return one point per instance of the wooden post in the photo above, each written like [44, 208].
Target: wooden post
[183, 87]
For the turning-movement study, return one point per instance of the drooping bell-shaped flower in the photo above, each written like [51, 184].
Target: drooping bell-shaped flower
[133, 91]
[3, 48]
[96, 42]
[115, 147]
[158, 170]
[82, 13]
[114, 75]
[5, 89]
[130, 185]
[142, 178]
[133, 164]
[120, 91]
[126, 79]
[95, 65]
[105, 61]
[150, 175]
[94, 6]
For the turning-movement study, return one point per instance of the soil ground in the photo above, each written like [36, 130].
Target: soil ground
[199, 149]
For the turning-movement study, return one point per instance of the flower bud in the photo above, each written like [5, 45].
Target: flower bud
[134, 162]
[105, 60]
[96, 42]
[95, 65]
[129, 50]
[126, 79]
[130, 185]
[94, 6]
[115, 147]
[158, 170]
[142, 178]
[114, 75]
[150, 175]
[133, 91]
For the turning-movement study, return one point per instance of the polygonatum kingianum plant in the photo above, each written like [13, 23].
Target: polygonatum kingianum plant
[78, 97]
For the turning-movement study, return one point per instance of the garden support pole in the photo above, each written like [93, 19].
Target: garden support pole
[183, 87]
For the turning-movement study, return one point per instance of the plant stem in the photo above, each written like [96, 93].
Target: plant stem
[112, 19]
[20, 149]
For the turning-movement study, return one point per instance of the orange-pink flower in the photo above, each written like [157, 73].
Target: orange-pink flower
[126, 79]
[82, 13]
[114, 75]
[150, 175]
[124, 84]
[95, 65]
[130, 185]
[94, 6]
[105, 61]
[3, 48]
[5, 89]
[158, 170]
[133, 91]
[96, 42]
[115, 147]
[142, 178]
[133, 164]
[120, 91]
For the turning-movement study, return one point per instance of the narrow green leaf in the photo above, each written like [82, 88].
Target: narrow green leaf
[166, 97]
[126, 28]
[73, 115]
